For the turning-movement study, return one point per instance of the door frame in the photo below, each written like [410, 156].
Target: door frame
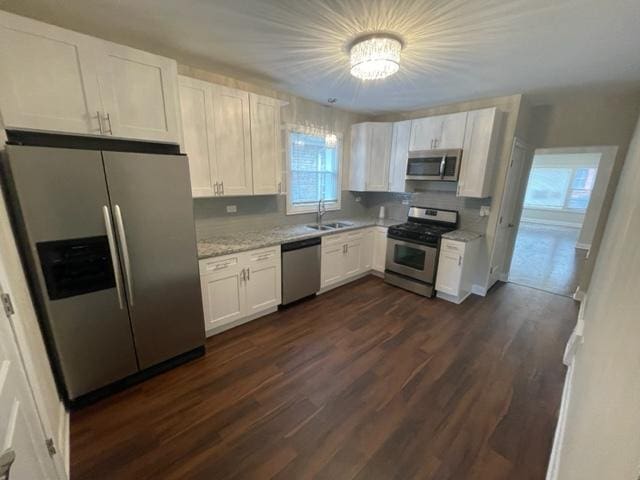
[522, 179]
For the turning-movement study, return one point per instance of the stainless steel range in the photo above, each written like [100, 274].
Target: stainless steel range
[412, 249]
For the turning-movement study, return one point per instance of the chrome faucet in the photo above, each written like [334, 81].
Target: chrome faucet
[321, 211]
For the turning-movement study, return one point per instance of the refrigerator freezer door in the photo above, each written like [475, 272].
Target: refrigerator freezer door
[153, 211]
[61, 194]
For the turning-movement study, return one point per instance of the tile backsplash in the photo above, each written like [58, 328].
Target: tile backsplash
[259, 212]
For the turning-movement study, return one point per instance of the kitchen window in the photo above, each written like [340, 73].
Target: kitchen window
[560, 188]
[313, 171]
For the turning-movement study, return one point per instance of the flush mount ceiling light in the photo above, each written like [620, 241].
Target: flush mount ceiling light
[375, 56]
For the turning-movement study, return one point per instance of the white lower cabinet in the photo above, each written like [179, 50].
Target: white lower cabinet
[455, 269]
[379, 249]
[240, 287]
[345, 256]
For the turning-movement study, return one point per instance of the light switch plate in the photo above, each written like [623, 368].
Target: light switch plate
[485, 211]
[232, 209]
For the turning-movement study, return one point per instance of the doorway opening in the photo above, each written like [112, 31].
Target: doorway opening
[561, 205]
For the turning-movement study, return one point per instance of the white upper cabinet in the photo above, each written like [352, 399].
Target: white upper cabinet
[48, 77]
[370, 155]
[479, 153]
[232, 141]
[139, 93]
[438, 133]
[399, 155]
[265, 145]
[198, 135]
[57, 80]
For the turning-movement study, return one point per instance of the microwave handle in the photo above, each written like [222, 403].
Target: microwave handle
[442, 164]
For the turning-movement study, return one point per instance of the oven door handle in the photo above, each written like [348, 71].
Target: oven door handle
[442, 165]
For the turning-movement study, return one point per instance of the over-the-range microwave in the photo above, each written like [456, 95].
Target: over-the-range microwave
[443, 165]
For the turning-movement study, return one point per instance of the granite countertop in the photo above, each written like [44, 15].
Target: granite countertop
[241, 241]
[462, 236]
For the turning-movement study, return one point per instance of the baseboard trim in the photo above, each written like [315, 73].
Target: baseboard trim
[452, 298]
[228, 326]
[558, 437]
[578, 295]
[478, 290]
[583, 246]
[347, 280]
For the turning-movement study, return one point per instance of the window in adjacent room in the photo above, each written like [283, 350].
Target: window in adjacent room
[313, 171]
[561, 188]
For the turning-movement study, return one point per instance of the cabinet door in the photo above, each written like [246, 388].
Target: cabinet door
[399, 155]
[265, 145]
[140, 92]
[233, 140]
[263, 286]
[332, 265]
[476, 171]
[353, 260]
[453, 127]
[367, 250]
[49, 78]
[449, 272]
[378, 157]
[358, 159]
[223, 294]
[379, 249]
[198, 135]
[425, 132]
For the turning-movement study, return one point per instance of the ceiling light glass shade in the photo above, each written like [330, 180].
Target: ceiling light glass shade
[376, 57]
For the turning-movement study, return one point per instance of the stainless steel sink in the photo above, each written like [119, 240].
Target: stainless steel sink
[320, 227]
[338, 224]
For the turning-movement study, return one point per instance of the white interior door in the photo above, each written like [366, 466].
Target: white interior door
[509, 213]
[198, 135]
[23, 448]
[139, 92]
[266, 155]
[233, 140]
[49, 79]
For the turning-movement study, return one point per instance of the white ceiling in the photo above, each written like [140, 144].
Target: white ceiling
[454, 49]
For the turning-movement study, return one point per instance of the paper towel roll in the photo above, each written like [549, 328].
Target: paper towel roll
[381, 212]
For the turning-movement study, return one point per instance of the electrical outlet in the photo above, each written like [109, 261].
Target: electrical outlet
[232, 209]
[485, 211]
[358, 199]
[405, 202]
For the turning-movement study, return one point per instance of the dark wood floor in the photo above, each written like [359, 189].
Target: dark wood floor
[365, 382]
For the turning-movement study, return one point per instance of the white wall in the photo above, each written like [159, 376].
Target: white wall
[602, 435]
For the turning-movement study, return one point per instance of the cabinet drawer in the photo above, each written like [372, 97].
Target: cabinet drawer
[263, 255]
[453, 246]
[217, 264]
[330, 240]
[357, 235]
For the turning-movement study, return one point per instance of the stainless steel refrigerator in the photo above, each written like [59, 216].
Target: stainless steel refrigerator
[109, 246]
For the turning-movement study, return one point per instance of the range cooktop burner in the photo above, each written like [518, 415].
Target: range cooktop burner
[425, 225]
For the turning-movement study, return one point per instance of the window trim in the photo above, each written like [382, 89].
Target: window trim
[312, 207]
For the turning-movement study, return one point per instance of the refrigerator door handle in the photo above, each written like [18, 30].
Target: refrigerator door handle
[125, 253]
[114, 254]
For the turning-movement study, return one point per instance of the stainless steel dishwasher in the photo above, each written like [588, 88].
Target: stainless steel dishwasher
[300, 269]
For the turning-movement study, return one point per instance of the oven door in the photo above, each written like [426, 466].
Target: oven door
[411, 259]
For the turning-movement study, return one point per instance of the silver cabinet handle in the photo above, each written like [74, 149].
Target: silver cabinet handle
[222, 187]
[248, 274]
[115, 262]
[215, 188]
[243, 275]
[122, 237]
[108, 117]
[100, 122]
[279, 187]
[6, 460]
[459, 260]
